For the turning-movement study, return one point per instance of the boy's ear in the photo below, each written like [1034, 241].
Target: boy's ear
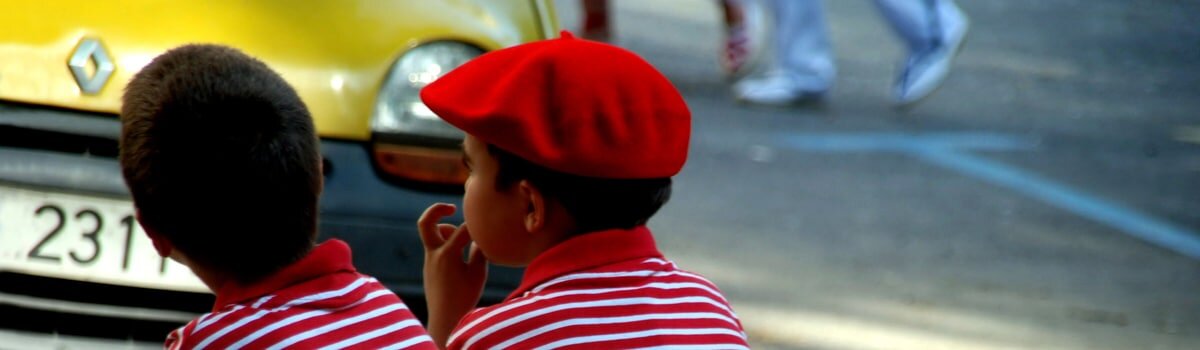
[535, 202]
[162, 245]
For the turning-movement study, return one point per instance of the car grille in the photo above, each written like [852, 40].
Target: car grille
[63, 131]
[93, 309]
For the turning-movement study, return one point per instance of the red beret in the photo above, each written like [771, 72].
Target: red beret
[575, 106]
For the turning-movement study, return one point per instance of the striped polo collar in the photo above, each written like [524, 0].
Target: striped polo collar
[329, 257]
[587, 251]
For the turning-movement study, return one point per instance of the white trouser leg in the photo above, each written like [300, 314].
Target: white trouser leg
[802, 48]
[921, 24]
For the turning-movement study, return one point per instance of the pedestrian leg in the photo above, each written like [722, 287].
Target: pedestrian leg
[803, 67]
[932, 31]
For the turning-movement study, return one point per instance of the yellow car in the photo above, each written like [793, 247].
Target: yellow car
[72, 259]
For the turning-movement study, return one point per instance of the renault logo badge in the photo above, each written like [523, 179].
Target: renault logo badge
[90, 52]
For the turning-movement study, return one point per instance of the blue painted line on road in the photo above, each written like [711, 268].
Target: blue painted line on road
[946, 150]
[902, 142]
[1125, 219]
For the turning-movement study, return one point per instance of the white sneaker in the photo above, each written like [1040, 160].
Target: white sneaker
[774, 89]
[924, 71]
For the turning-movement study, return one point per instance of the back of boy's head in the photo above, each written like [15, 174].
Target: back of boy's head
[221, 157]
[592, 125]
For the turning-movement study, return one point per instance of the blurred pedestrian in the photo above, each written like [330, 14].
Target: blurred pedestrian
[803, 68]
[735, 53]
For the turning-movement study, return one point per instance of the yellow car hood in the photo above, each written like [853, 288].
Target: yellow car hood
[336, 53]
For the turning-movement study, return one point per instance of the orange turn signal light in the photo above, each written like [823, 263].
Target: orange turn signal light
[432, 165]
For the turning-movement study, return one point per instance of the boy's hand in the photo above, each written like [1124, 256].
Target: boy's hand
[452, 287]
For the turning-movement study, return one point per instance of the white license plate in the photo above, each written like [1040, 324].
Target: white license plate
[83, 238]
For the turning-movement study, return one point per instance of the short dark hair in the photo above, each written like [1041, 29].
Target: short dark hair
[221, 157]
[594, 203]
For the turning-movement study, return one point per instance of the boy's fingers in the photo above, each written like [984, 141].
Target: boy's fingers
[427, 224]
[459, 240]
[445, 231]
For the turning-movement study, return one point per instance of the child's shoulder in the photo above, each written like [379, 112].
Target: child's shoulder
[651, 296]
[642, 273]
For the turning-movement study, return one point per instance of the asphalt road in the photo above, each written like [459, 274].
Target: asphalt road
[1044, 198]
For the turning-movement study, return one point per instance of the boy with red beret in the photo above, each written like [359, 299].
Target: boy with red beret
[571, 146]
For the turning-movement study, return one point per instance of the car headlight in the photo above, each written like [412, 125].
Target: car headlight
[399, 110]
[411, 142]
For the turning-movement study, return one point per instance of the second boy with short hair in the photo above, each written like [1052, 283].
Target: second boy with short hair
[222, 161]
[571, 145]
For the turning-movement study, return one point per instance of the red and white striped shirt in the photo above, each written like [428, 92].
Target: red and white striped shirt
[605, 290]
[319, 302]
